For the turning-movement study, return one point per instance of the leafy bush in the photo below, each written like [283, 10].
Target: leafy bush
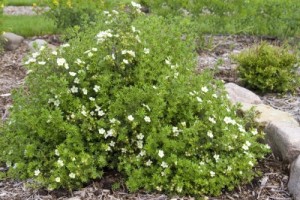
[268, 68]
[70, 13]
[124, 96]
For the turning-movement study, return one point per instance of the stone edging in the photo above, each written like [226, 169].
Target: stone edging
[282, 132]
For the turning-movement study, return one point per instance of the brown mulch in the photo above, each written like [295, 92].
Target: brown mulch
[271, 185]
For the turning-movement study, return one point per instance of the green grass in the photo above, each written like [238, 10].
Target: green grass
[28, 25]
[23, 2]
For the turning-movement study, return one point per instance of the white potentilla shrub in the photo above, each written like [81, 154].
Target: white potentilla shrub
[122, 98]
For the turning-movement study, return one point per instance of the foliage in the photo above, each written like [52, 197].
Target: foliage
[268, 68]
[268, 17]
[124, 96]
[69, 13]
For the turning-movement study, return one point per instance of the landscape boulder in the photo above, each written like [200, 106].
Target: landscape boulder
[267, 114]
[35, 45]
[294, 180]
[238, 94]
[284, 140]
[12, 41]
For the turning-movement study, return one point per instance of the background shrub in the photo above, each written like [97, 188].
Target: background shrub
[268, 68]
[124, 95]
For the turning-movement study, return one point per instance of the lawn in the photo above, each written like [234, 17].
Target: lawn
[28, 25]
[23, 2]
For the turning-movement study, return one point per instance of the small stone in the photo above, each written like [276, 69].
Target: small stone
[294, 182]
[37, 44]
[12, 41]
[238, 94]
[284, 140]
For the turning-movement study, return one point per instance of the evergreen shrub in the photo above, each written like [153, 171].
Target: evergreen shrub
[268, 68]
[124, 96]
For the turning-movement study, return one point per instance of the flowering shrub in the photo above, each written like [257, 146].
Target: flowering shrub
[124, 96]
[268, 68]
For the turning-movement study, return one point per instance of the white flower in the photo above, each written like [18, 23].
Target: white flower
[101, 113]
[103, 35]
[30, 60]
[246, 145]
[115, 12]
[41, 62]
[229, 168]
[212, 120]
[138, 39]
[74, 89]
[84, 91]
[161, 153]
[134, 4]
[199, 99]
[254, 131]
[101, 131]
[36, 172]
[56, 152]
[112, 144]
[142, 153]
[241, 128]
[140, 144]
[130, 118]
[84, 113]
[72, 73]
[164, 165]
[96, 88]
[140, 136]
[146, 50]
[228, 120]
[78, 61]
[57, 179]
[147, 119]
[212, 173]
[167, 61]
[133, 29]
[204, 89]
[148, 163]
[76, 80]
[113, 56]
[92, 99]
[54, 53]
[110, 133]
[113, 120]
[90, 54]
[125, 61]
[65, 45]
[72, 175]
[216, 157]
[215, 96]
[60, 61]
[210, 134]
[60, 162]
[94, 49]
[130, 52]
[251, 163]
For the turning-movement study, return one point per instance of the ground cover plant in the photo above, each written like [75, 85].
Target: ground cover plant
[269, 68]
[123, 96]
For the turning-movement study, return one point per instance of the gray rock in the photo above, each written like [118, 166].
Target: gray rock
[294, 181]
[268, 114]
[12, 41]
[284, 140]
[37, 44]
[238, 94]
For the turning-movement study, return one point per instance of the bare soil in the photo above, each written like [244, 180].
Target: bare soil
[272, 184]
